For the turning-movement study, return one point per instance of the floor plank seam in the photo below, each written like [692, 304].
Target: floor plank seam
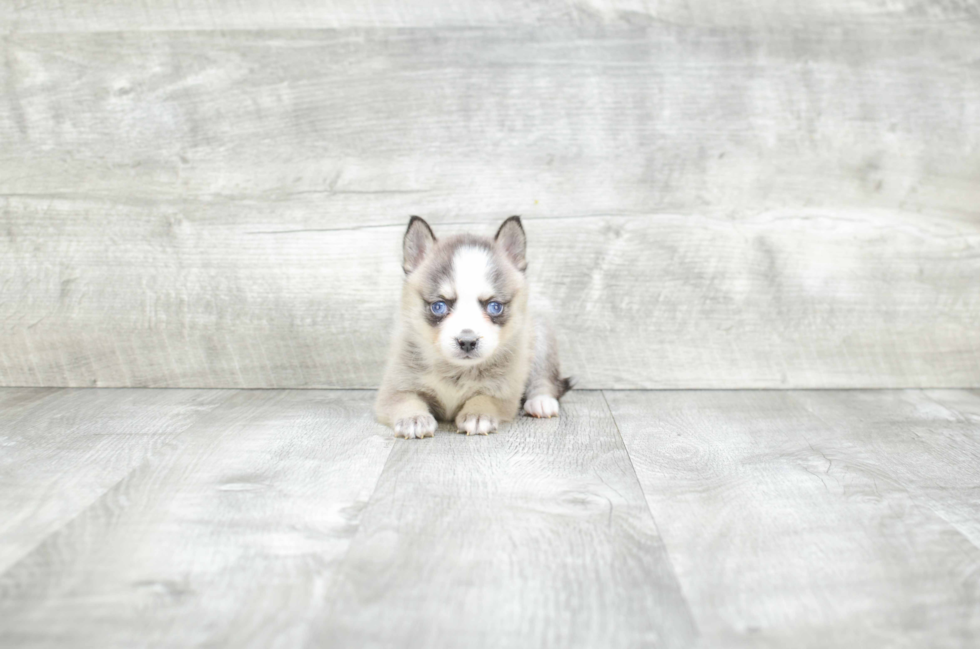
[69, 521]
[917, 501]
[329, 590]
[88, 506]
[286, 552]
[656, 525]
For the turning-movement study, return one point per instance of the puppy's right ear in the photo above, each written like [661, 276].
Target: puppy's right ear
[417, 243]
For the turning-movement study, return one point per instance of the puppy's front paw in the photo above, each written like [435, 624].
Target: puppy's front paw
[416, 427]
[472, 424]
[541, 406]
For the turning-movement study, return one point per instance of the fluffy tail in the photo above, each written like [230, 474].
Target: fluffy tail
[564, 385]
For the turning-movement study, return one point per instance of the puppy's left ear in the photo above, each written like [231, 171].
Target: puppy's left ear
[512, 241]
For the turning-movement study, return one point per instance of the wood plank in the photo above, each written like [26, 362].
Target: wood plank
[219, 207]
[159, 15]
[535, 537]
[119, 15]
[793, 518]
[329, 128]
[227, 540]
[789, 299]
[928, 441]
[63, 453]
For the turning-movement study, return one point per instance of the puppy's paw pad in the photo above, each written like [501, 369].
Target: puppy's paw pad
[476, 424]
[541, 406]
[416, 427]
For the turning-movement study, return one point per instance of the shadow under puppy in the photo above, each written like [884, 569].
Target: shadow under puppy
[466, 349]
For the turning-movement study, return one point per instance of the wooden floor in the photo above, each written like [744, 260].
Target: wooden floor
[277, 518]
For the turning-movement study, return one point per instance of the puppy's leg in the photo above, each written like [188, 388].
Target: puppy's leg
[407, 413]
[481, 415]
[545, 385]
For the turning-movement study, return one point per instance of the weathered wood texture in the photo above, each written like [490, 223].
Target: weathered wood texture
[741, 206]
[153, 518]
[845, 519]
[241, 532]
[227, 538]
[118, 15]
[60, 452]
[777, 300]
[535, 537]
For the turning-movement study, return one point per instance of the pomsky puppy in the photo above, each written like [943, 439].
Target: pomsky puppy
[465, 348]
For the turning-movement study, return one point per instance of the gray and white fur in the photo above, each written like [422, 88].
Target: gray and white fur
[466, 349]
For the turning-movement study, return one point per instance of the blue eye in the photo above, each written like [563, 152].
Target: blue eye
[495, 308]
[438, 308]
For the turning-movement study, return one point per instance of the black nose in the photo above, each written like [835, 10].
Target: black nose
[467, 340]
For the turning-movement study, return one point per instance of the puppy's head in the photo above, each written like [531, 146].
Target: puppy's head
[465, 295]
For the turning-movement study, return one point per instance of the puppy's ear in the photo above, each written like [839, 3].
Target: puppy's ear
[511, 240]
[417, 243]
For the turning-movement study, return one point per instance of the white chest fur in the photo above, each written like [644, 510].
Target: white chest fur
[451, 394]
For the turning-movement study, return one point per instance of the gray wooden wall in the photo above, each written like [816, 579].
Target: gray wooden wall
[743, 193]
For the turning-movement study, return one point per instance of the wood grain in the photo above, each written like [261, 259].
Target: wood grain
[929, 442]
[333, 128]
[119, 15]
[794, 299]
[60, 451]
[813, 519]
[179, 518]
[709, 206]
[534, 537]
[228, 539]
